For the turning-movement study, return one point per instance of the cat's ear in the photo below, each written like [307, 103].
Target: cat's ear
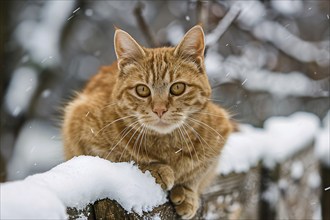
[192, 45]
[126, 48]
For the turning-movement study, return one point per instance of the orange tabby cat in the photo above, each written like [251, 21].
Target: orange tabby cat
[153, 106]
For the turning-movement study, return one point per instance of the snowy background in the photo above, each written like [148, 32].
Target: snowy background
[264, 59]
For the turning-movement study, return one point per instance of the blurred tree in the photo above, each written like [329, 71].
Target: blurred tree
[3, 77]
[264, 58]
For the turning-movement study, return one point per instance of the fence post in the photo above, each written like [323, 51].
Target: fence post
[325, 194]
[267, 178]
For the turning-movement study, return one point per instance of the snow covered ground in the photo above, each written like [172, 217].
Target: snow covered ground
[76, 183]
[280, 138]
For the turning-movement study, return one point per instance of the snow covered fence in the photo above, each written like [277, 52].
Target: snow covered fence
[289, 166]
[228, 197]
[77, 183]
[322, 151]
[244, 189]
[96, 188]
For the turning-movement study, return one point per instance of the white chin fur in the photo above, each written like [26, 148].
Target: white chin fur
[164, 129]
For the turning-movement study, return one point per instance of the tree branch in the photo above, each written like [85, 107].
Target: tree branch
[292, 45]
[151, 40]
[213, 37]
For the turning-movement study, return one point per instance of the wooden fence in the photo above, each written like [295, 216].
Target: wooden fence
[261, 193]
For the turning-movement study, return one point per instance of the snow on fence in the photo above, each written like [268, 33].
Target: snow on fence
[263, 173]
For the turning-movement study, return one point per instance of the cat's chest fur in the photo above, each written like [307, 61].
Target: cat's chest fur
[183, 150]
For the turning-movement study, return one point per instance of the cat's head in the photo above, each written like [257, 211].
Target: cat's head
[161, 87]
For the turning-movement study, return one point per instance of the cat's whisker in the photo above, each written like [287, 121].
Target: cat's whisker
[95, 134]
[207, 126]
[219, 136]
[107, 125]
[192, 144]
[125, 129]
[231, 108]
[183, 137]
[197, 111]
[141, 140]
[109, 105]
[206, 113]
[124, 135]
[139, 144]
[184, 124]
[201, 138]
[136, 141]
[146, 141]
[129, 142]
[216, 100]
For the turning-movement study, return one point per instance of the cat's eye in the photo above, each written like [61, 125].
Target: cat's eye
[142, 90]
[177, 88]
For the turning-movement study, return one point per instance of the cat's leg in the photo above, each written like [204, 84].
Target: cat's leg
[163, 174]
[186, 196]
[186, 200]
[208, 176]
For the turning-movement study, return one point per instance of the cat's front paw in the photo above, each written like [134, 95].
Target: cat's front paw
[185, 201]
[163, 174]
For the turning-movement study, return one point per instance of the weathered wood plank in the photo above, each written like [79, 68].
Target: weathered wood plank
[291, 190]
[234, 196]
[87, 212]
[107, 209]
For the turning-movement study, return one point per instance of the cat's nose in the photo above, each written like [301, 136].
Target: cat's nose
[160, 111]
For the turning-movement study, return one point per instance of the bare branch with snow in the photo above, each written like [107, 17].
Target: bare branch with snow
[247, 69]
[255, 21]
[213, 37]
[290, 44]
